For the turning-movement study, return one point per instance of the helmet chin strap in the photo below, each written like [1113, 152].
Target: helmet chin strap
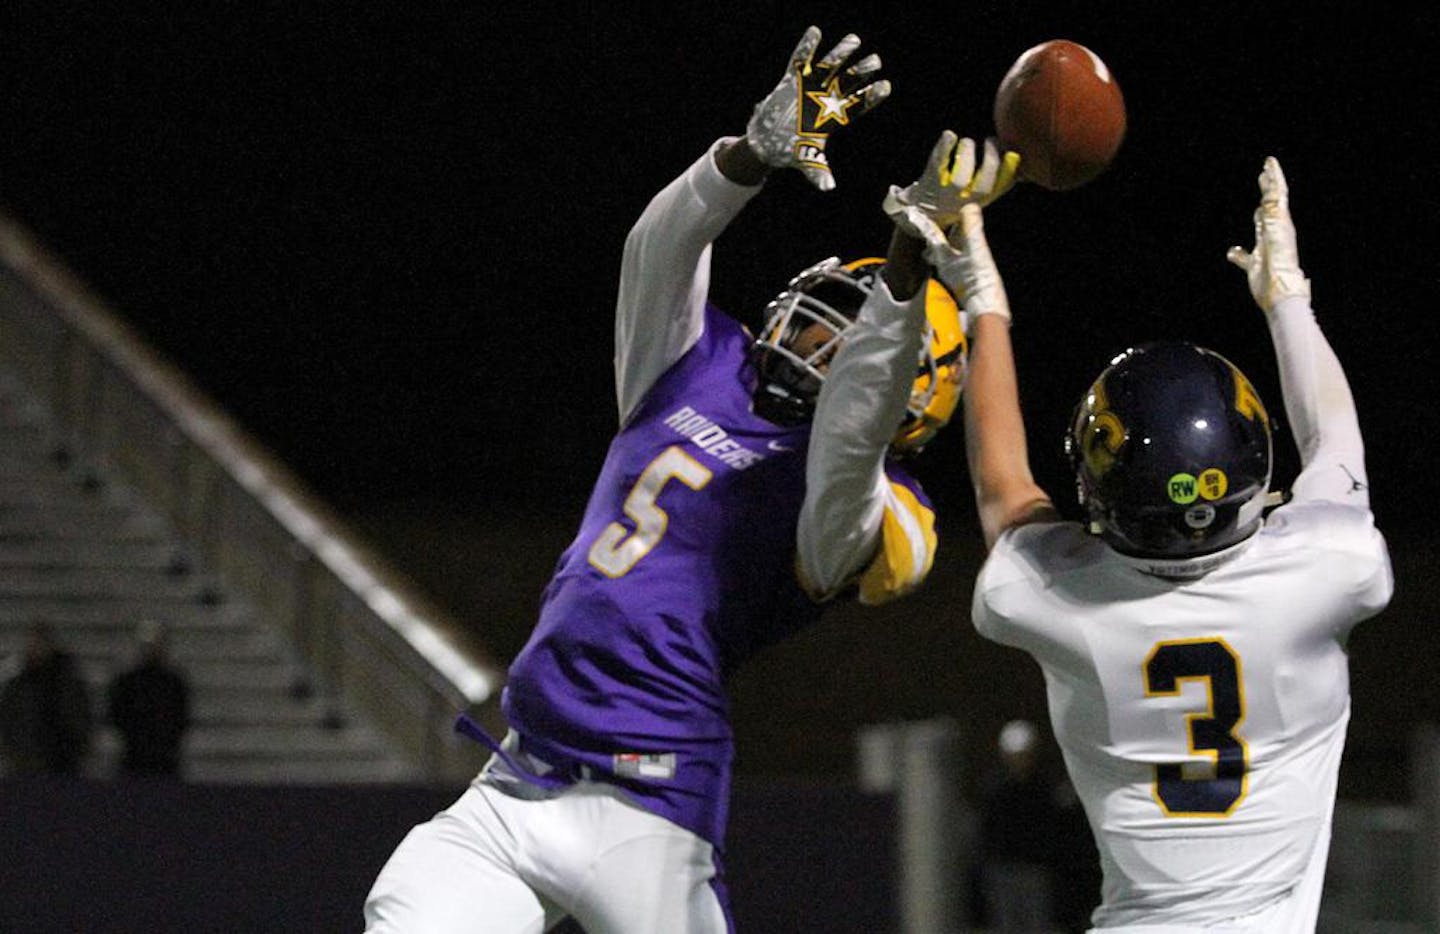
[774, 403]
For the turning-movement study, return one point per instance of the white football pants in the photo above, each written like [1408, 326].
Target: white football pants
[494, 863]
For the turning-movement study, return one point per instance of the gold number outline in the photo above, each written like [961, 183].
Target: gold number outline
[1232, 680]
[617, 549]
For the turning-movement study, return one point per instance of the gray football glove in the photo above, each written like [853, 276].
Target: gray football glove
[790, 127]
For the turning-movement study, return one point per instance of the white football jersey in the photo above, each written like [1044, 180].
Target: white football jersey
[1202, 720]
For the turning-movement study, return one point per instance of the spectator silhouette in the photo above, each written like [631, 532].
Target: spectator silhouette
[45, 713]
[150, 707]
[1019, 814]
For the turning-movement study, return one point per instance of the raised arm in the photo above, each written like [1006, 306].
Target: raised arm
[665, 270]
[665, 273]
[1318, 402]
[1006, 493]
[855, 519]
[860, 407]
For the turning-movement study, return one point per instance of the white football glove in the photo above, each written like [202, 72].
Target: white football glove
[790, 127]
[964, 264]
[1273, 266]
[949, 195]
[949, 182]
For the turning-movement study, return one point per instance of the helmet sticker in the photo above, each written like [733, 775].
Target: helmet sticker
[1213, 483]
[1183, 489]
[1200, 517]
[1099, 400]
[1247, 400]
[1176, 461]
[1102, 438]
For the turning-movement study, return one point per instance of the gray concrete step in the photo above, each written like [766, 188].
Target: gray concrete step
[94, 554]
[64, 614]
[87, 584]
[300, 772]
[84, 554]
[274, 741]
[257, 709]
[32, 458]
[37, 487]
[62, 522]
[114, 636]
[299, 754]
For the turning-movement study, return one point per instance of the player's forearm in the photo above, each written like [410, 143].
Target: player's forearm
[1318, 403]
[1005, 490]
[665, 273]
[664, 249]
[905, 272]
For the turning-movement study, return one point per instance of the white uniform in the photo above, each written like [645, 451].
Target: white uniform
[1202, 719]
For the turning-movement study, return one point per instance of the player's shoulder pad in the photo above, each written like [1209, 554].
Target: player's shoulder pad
[1041, 550]
[1325, 525]
[1340, 543]
[1023, 565]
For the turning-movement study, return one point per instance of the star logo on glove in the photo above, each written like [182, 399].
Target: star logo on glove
[833, 105]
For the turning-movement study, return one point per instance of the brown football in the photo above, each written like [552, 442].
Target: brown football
[1060, 107]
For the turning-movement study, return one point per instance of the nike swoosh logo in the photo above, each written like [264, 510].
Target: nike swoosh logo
[777, 446]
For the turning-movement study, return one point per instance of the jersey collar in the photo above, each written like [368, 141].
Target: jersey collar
[1181, 569]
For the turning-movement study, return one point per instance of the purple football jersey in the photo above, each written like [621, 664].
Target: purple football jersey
[684, 565]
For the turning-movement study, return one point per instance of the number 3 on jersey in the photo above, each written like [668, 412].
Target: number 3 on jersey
[617, 549]
[1211, 733]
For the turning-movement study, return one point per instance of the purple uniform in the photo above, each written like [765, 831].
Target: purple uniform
[710, 533]
[684, 566]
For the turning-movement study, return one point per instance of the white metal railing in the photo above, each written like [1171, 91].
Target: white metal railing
[367, 634]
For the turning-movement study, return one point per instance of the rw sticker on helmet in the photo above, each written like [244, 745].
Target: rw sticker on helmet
[1183, 488]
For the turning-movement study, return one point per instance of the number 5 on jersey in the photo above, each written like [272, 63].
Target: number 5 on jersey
[617, 549]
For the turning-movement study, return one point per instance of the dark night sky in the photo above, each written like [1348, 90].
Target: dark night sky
[385, 236]
[387, 239]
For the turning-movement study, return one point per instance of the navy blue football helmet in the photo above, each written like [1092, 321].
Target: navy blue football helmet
[1172, 452]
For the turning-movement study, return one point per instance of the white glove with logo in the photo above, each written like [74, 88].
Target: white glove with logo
[1273, 266]
[949, 182]
[949, 195]
[790, 127]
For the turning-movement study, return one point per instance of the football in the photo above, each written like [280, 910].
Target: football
[1060, 107]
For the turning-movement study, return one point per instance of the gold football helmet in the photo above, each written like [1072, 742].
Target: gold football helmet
[830, 293]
